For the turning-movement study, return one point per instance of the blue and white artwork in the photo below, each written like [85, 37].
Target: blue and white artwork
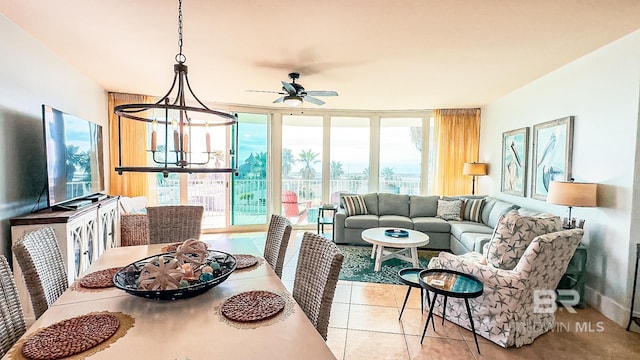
[515, 145]
[552, 143]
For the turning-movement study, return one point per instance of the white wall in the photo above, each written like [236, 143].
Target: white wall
[602, 91]
[32, 75]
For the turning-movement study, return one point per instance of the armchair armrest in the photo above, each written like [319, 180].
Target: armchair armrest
[490, 276]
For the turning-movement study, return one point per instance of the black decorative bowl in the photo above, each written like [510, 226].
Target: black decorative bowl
[126, 278]
[396, 233]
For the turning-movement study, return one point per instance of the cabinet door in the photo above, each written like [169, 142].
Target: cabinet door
[109, 225]
[83, 236]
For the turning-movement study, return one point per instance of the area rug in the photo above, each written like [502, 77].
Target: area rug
[358, 265]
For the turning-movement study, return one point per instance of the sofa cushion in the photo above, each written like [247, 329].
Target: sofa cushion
[393, 204]
[460, 227]
[422, 206]
[474, 241]
[431, 224]
[472, 209]
[514, 233]
[353, 205]
[361, 221]
[371, 201]
[395, 221]
[449, 209]
[499, 208]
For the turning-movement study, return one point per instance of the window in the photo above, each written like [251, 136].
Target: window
[301, 167]
[349, 153]
[400, 155]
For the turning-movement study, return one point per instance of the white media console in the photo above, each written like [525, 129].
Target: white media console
[83, 235]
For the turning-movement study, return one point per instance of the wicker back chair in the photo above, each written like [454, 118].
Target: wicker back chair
[277, 240]
[41, 262]
[169, 224]
[12, 324]
[319, 264]
[134, 229]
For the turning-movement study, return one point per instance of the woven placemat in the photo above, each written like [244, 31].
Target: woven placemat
[170, 248]
[99, 279]
[70, 337]
[252, 306]
[280, 316]
[125, 322]
[245, 260]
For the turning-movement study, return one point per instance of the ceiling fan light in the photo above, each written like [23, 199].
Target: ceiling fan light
[293, 100]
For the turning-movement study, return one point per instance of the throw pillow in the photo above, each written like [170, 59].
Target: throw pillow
[449, 209]
[353, 205]
[473, 210]
[514, 233]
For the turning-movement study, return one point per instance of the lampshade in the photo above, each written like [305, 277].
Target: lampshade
[570, 193]
[293, 100]
[474, 169]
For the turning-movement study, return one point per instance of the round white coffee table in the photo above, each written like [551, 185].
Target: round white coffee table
[408, 245]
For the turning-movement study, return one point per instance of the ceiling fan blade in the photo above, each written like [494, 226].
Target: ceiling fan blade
[278, 100]
[313, 100]
[267, 91]
[288, 87]
[322, 93]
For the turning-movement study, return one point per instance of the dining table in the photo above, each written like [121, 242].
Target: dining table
[191, 328]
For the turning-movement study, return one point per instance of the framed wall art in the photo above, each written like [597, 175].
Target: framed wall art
[515, 146]
[552, 148]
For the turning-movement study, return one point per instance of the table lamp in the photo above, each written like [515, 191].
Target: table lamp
[570, 193]
[474, 169]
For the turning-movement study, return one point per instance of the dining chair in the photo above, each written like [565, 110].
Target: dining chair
[275, 246]
[12, 324]
[39, 257]
[169, 224]
[319, 264]
[134, 229]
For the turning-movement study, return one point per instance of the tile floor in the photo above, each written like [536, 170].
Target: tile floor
[364, 323]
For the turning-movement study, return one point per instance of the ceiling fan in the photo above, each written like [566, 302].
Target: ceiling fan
[295, 94]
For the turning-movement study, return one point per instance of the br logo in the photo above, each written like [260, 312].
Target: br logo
[544, 301]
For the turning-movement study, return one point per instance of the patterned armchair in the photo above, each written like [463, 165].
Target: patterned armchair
[506, 313]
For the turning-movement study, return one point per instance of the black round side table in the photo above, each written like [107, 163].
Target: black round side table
[450, 283]
[409, 276]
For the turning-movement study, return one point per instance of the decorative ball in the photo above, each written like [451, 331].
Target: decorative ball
[207, 269]
[184, 283]
[215, 266]
[204, 277]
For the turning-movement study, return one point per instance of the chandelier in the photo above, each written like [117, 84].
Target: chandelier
[184, 122]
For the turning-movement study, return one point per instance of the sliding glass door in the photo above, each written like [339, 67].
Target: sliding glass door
[301, 167]
[227, 199]
[249, 188]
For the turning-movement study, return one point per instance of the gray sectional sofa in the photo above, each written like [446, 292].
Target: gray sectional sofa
[419, 213]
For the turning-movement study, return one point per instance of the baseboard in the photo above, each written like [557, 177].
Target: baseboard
[607, 306]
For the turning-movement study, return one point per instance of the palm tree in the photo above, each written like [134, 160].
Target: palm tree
[336, 170]
[287, 162]
[308, 157]
[259, 165]
[365, 172]
[387, 173]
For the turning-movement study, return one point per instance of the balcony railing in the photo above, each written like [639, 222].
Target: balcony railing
[250, 196]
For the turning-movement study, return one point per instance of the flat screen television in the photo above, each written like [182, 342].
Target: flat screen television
[73, 148]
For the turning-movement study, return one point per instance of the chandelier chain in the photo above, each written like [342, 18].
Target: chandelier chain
[180, 57]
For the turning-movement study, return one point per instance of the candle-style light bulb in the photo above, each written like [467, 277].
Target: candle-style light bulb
[154, 135]
[176, 136]
[185, 141]
[207, 137]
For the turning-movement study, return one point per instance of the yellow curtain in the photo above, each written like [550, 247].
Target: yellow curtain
[134, 148]
[457, 137]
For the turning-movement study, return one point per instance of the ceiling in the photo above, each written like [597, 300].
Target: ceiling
[377, 54]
